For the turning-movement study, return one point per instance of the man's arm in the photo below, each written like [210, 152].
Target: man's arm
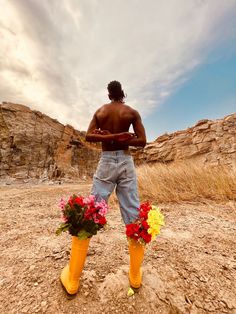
[140, 135]
[93, 135]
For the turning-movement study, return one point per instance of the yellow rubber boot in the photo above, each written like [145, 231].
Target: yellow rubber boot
[70, 275]
[136, 251]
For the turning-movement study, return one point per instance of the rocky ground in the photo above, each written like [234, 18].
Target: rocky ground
[191, 268]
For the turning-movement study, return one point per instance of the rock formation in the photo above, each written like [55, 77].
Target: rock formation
[32, 145]
[208, 142]
[35, 146]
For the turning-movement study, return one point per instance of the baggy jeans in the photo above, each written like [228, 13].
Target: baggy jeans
[116, 171]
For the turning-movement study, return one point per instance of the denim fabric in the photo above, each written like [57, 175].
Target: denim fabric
[116, 171]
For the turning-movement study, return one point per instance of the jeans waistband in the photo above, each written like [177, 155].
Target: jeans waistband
[116, 153]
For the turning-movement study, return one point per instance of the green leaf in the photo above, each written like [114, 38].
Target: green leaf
[82, 234]
[58, 231]
[63, 227]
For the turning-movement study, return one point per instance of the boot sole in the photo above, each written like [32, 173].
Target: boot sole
[136, 290]
[68, 295]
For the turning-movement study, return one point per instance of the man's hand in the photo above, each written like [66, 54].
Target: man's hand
[119, 137]
[102, 132]
[125, 136]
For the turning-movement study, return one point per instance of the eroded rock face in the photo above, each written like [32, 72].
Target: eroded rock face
[32, 145]
[208, 142]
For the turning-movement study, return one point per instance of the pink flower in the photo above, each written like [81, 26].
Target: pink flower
[62, 204]
[63, 218]
[103, 207]
[98, 219]
[95, 219]
[89, 200]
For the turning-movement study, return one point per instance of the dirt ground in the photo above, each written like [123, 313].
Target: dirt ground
[190, 268]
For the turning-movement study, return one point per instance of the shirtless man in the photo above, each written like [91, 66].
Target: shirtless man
[110, 125]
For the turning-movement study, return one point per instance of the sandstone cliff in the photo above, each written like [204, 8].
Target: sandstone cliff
[32, 145]
[208, 142]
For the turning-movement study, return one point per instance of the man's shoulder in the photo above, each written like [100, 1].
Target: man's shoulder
[109, 106]
[104, 106]
[129, 108]
[133, 111]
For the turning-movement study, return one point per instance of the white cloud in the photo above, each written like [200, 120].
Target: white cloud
[58, 56]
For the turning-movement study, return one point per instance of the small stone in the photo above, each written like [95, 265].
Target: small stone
[58, 256]
[32, 267]
[56, 250]
[91, 252]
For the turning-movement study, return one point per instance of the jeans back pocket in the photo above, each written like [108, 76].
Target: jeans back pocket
[103, 170]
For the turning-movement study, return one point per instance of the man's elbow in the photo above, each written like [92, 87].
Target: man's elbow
[143, 143]
[87, 137]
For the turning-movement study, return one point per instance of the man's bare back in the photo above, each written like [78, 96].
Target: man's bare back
[110, 125]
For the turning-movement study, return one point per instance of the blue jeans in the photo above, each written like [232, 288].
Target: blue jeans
[116, 171]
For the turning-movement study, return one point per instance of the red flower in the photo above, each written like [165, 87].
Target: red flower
[71, 203]
[145, 225]
[81, 214]
[79, 200]
[143, 214]
[102, 220]
[145, 207]
[93, 209]
[88, 213]
[138, 229]
[146, 236]
[132, 230]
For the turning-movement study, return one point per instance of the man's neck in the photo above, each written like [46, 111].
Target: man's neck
[116, 102]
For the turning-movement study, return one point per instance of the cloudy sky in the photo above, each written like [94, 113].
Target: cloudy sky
[176, 59]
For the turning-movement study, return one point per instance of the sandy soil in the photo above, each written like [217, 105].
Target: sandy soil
[191, 268]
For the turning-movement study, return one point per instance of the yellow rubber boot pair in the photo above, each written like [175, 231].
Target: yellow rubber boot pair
[136, 251]
[70, 275]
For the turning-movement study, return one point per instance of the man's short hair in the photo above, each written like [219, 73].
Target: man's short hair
[115, 91]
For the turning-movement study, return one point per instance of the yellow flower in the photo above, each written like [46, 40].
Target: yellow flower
[155, 221]
[130, 292]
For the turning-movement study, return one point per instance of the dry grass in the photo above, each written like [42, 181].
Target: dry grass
[186, 182]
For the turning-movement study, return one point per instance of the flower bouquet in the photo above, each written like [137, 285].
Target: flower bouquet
[82, 216]
[148, 224]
